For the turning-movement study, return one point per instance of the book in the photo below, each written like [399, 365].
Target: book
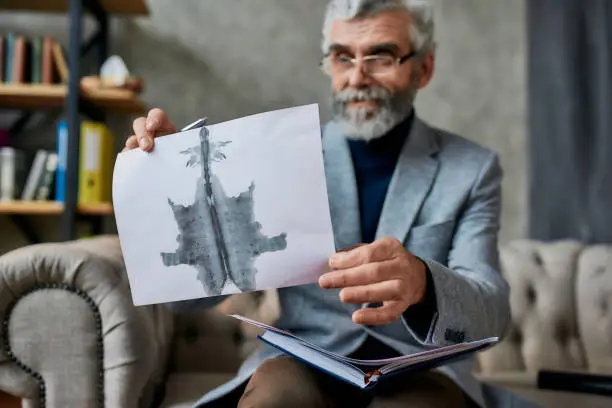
[62, 160]
[36, 60]
[12, 170]
[19, 72]
[47, 71]
[2, 58]
[45, 185]
[61, 64]
[35, 175]
[8, 57]
[95, 163]
[364, 374]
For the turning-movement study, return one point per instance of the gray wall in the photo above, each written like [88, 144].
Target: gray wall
[230, 58]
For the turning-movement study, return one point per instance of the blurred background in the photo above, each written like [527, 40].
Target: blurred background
[531, 80]
[233, 58]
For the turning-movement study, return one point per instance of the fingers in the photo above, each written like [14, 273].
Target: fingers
[379, 250]
[359, 275]
[131, 143]
[352, 247]
[143, 136]
[146, 129]
[374, 293]
[387, 313]
[158, 123]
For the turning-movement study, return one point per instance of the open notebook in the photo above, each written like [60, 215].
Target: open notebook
[364, 373]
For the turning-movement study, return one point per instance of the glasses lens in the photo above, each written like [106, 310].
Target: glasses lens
[379, 64]
[342, 63]
[374, 64]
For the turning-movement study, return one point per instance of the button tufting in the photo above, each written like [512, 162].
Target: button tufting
[531, 295]
[537, 259]
[6, 346]
[603, 306]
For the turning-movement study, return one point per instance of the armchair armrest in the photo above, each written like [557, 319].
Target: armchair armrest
[70, 335]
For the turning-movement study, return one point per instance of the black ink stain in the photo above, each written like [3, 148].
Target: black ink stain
[218, 235]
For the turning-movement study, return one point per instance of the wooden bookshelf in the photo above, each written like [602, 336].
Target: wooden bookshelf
[31, 207]
[89, 102]
[96, 209]
[127, 7]
[51, 208]
[41, 96]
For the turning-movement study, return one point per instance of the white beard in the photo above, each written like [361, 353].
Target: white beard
[365, 123]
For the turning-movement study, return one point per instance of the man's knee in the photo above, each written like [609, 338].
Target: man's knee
[280, 382]
[423, 390]
[277, 369]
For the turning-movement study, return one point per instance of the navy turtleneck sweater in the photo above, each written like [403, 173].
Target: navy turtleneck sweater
[374, 163]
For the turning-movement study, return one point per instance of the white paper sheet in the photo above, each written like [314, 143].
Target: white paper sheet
[198, 213]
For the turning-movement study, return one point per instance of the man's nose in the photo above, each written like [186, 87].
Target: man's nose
[358, 78]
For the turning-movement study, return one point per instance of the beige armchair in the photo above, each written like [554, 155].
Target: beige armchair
[70, 336]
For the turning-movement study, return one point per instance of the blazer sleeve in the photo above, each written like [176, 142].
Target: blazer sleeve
[471, 296]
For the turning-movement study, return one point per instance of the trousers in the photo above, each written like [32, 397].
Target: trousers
[287, 382]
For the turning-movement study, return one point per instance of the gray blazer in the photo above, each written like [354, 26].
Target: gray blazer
[443, 203]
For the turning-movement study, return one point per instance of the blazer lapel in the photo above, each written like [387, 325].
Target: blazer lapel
[341, 188]
[414, 174]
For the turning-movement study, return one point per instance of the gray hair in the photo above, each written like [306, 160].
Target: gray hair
[421, 30]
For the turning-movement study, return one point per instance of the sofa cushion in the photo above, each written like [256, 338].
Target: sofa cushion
[206, 341]
[594, 301]
[543, 332]
[220, 342]
[183, 390]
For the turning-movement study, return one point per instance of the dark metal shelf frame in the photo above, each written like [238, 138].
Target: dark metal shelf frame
[74, 106]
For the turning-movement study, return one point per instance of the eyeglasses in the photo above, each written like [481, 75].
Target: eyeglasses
[377, 65]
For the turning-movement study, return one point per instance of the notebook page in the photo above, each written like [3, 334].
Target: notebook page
[263, 326]
[441, 353]
[369, 363]
[401, 360]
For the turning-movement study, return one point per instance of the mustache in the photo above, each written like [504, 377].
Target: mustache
[362, 95]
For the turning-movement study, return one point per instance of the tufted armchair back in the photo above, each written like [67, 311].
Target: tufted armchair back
[560, 297]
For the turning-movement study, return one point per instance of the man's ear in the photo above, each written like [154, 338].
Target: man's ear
[426, 66]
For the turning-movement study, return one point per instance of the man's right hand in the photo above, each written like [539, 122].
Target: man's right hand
[146, 129]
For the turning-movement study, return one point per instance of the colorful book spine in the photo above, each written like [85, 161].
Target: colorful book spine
[47, 70]
[95, 163]
[62, 158]
[34, 177]
[12, 169]
[43, 192]
[9, 55]
[20, 60]
[7, 174]
[2, 57]
[36, 60]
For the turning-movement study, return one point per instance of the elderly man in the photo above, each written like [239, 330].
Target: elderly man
[415, 212]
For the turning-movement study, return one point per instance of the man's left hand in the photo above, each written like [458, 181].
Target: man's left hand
[380, 272]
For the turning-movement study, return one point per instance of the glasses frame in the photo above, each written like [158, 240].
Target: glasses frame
[326, 68]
